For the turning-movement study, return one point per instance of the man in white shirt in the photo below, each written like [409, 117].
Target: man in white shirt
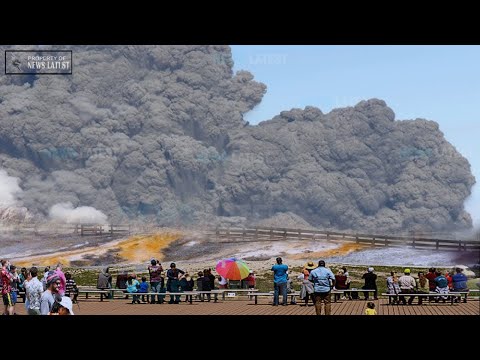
[34, 291]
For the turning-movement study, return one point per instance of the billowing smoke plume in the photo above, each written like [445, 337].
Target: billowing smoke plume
[11, 211]
[9, 189]
[66, 213]
[157, 133]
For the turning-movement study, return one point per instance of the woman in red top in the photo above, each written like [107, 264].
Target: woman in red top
[251, 280]
[340, 283]
[450, 281]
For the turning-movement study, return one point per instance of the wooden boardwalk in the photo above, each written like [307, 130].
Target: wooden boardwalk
[244, 307]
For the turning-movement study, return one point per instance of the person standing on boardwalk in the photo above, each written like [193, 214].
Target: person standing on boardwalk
[104, 281]
[306, 291]
[323, 282]
[370, 283]
[173, 283]
[33, 291]
[6, 280]
[279, 281]
[63, 280]
[48, 297]
[155, 271]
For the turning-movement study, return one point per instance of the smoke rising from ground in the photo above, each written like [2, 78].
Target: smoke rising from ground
[9, 189]
[65, 213]
[157, 133]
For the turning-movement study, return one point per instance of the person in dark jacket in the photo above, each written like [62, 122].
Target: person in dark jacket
[173, 283]
[206, 284]
[186, 284]
[200, 284]
[122, 280]
[370, 283]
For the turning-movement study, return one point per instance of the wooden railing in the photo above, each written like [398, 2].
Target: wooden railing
[102, 230]
[227, 235]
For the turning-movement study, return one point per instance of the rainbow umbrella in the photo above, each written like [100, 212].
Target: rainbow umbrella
[233, 269]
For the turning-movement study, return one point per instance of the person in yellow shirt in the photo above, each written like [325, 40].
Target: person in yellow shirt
[370, 310]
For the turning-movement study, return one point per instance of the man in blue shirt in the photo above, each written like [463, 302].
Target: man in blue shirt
[280, 281]
[323, 282]
[459, 280]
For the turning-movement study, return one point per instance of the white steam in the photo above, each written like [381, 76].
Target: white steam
[9, 189]
[65, 212]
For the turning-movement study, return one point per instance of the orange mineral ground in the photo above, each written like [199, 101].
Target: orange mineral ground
[140, 249]
[135, 249]
[342, 249]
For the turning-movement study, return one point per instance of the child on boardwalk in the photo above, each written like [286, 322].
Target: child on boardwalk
[143, 288]
[370, 310]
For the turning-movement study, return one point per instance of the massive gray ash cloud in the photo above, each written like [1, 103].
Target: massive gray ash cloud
[157, 133]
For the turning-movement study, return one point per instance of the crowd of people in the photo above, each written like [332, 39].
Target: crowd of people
[56, 293]
[317, 284]
[51, 296]
[177, 281]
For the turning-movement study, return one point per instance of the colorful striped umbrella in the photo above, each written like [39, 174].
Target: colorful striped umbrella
[233, 269]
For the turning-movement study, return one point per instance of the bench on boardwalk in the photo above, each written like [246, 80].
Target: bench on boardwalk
[256, 294]
[226, 292]
[189, 294]
[336, 293]
[103, 293]
[450, 295]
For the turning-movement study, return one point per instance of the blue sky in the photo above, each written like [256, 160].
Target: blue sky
[440, 83]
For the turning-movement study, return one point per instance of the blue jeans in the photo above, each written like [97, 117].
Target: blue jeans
[279, 288]
[174, 287]
[156, 288]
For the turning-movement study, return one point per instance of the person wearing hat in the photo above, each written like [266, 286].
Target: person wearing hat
[307, 290]
[47, 300]
[407, 286]
[370, 283]
[63, 306]
[323, 281]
